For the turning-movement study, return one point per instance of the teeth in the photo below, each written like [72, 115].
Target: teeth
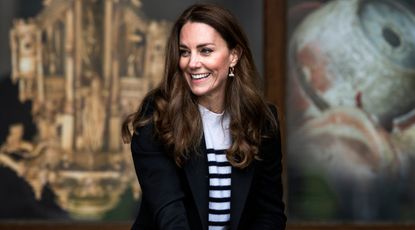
[200, 76]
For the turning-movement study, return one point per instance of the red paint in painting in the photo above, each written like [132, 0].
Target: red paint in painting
[310, 57]
[358, 100]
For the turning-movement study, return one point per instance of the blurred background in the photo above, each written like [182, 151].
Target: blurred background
[342, 71]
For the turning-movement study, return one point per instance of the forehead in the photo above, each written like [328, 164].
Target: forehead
[197, 33]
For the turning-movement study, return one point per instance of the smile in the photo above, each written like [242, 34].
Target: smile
[200, 76]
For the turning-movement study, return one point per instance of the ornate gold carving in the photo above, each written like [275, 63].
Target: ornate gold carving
[85, 65]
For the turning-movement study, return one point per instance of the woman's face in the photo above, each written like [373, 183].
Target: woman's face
[205, 60]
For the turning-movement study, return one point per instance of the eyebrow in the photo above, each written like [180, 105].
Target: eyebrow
[198, 46]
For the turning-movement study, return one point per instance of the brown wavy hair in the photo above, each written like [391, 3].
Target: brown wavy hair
[176, 116]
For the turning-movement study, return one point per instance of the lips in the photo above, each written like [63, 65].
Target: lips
[199, 76]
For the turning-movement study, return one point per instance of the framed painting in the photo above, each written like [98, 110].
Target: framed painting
[72, 71]
[342, 72]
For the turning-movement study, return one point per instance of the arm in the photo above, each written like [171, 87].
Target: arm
[159, 180]
[269, 208]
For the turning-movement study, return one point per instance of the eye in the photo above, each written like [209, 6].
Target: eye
[184, 53]
[206, 51]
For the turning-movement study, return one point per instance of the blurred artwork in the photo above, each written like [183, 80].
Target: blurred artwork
[351, 110]
[83, 65]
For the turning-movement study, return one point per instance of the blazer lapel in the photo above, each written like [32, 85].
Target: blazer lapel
[240, 183]
[196, 170]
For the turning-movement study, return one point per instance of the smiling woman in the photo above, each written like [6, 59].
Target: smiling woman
[206, 146]
[205, 60]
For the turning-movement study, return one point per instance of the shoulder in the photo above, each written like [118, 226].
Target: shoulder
[273, 109]
[270, 147]
[148, 105]
[144, 136]
[272, 123]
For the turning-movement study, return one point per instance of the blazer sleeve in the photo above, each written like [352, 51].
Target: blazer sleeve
[159, 180]
[269, 211]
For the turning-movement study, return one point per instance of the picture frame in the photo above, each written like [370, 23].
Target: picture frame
[276, 52]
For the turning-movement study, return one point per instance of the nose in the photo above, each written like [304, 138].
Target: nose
[194, 61]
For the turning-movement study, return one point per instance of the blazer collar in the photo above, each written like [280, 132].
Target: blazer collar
[196, 169]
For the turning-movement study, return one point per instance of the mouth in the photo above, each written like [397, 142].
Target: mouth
[200, 76]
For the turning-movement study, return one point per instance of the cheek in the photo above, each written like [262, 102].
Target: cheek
[221, 70]
[222, 65]
[182, 64]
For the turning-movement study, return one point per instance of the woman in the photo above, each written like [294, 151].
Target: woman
[206, 146]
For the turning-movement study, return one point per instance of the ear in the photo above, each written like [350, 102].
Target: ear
[235, 55]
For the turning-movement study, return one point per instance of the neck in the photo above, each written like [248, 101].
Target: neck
[213, 104]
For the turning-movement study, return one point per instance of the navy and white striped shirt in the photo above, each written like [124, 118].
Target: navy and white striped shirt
[217, 138]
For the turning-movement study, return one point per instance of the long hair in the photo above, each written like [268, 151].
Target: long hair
[176, 116]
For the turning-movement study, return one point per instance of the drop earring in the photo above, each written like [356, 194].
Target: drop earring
[231, 74]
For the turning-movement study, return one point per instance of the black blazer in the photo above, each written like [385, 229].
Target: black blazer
[177, 198]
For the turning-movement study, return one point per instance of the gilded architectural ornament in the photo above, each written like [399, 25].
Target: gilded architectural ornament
[84, 65]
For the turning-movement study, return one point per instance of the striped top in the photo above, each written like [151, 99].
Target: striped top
[217, 138]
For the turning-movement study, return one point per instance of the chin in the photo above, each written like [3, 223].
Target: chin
[198, 93]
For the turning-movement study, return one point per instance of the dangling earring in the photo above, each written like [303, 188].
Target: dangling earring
[231, 74]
